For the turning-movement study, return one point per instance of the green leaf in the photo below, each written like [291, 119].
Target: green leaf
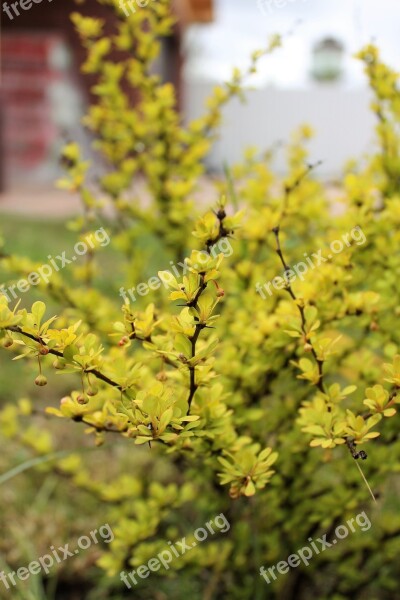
[38, 310]
[70, 352]
[183, 345]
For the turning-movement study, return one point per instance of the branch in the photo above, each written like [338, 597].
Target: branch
[320, 385]
[221, 215]
[320, 363]
[192, 370]
[222, 233]
[193, 340]
[98, 374]
[289, 189]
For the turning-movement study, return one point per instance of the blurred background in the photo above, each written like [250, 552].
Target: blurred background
[313, 78]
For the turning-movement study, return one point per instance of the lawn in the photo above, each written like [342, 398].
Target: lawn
[38, 239]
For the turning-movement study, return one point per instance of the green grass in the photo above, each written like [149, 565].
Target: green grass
[37, 239]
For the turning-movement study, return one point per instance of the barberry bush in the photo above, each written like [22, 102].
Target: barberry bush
[221, 396]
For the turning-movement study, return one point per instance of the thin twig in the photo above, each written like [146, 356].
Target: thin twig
[98, 374]
[290, 188]
[289, 289]
[366, 482]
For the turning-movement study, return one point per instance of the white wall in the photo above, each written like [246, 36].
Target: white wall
[341, 118]
[286, 95]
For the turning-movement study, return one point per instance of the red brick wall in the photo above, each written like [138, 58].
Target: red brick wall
[28, 132]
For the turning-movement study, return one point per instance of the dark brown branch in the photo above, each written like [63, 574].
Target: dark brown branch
[289, 289]
[192, 369]
[353, 450]
[98, 374]
[221, 215]
[199, 326]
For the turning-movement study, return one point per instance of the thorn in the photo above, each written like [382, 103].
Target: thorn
[366, 483]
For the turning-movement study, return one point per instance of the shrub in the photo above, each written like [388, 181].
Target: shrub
[233, 397]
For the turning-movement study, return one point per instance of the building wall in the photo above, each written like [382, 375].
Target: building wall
[38, 95]
[341, 118]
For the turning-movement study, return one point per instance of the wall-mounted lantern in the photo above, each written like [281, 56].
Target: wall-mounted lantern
[327, 60]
